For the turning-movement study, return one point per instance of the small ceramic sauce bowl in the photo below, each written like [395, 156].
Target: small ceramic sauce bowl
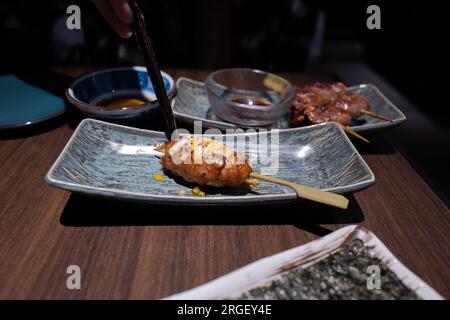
[249, 97]
[99, 94]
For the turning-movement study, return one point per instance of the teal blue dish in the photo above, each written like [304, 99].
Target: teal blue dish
[22, 104]
[87, 92]
[120, 162]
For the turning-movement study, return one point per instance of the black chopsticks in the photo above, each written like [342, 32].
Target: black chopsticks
[146, 47]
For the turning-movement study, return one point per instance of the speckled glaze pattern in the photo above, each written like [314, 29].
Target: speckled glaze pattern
[191, 103]
[117, 161]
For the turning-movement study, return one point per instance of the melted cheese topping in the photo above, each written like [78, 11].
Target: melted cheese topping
[196, 150]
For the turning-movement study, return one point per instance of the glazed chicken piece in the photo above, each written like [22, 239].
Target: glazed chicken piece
[323, 102]
[352, 103]
[313, 96]
[301, 103]
[206, 162]
[322, 94]
[328, 113]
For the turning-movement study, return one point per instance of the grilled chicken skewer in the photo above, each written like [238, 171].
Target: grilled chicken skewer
[304, 109]
[205, 162]
[321, 102]
[352, 103]
[312, 104]
[356, 106]
[208, 162]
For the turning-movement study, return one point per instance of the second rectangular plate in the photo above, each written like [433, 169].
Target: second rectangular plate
[119, 162]
[191, 104]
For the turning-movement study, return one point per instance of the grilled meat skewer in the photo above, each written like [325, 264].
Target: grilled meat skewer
[205, 162]
[328, 113]
[352, 103]
[321, 102]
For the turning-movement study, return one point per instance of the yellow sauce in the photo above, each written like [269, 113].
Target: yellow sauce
[158, 177]
[122, 102]
[125, 103]
[196, 191]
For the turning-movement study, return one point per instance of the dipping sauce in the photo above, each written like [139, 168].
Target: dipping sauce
[158, 177]
[121, 102]
[250, 102]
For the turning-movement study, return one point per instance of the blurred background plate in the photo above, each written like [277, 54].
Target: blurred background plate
[23, 104]
[191, 104]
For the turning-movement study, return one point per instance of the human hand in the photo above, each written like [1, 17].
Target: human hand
[119, 15]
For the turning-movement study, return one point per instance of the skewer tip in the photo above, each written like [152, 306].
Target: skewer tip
[354, 133]
[375, 115]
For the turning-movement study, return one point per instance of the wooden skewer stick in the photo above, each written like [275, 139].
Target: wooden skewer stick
[329, 198]
[354, 133]
[375, 115]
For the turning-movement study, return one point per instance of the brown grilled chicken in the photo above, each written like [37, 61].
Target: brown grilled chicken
[322, 94]
[328, 113]
[206, 162]
[352, 103]
[321, 102]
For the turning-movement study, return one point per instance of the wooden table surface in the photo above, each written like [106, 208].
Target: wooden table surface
[129, 250]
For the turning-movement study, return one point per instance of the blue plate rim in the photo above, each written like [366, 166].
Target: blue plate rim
[183, 199]
[391, 123]
[34, 122]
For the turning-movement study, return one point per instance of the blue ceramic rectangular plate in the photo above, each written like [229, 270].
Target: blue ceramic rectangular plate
[116, 161]
[191, 104]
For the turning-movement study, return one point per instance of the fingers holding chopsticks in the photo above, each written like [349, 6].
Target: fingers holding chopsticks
[119, 15]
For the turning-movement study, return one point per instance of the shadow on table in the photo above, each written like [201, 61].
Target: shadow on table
[85, 211]
[378, 145]
[34, 129]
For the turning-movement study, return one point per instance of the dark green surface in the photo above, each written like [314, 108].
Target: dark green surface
[341, 275]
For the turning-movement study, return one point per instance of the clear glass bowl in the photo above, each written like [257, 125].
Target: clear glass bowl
[249, 97]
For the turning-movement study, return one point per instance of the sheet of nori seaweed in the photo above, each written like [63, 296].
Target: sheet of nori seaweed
[341, 275]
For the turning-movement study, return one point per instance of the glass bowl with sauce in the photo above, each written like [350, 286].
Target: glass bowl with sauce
[117, 93]
[249, 97]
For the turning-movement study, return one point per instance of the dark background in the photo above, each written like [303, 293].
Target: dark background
[410, 52]
[282, 35]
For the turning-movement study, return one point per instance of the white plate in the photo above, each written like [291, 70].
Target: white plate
[267, 269]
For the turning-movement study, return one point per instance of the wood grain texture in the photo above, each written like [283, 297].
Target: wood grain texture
[130, 250]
